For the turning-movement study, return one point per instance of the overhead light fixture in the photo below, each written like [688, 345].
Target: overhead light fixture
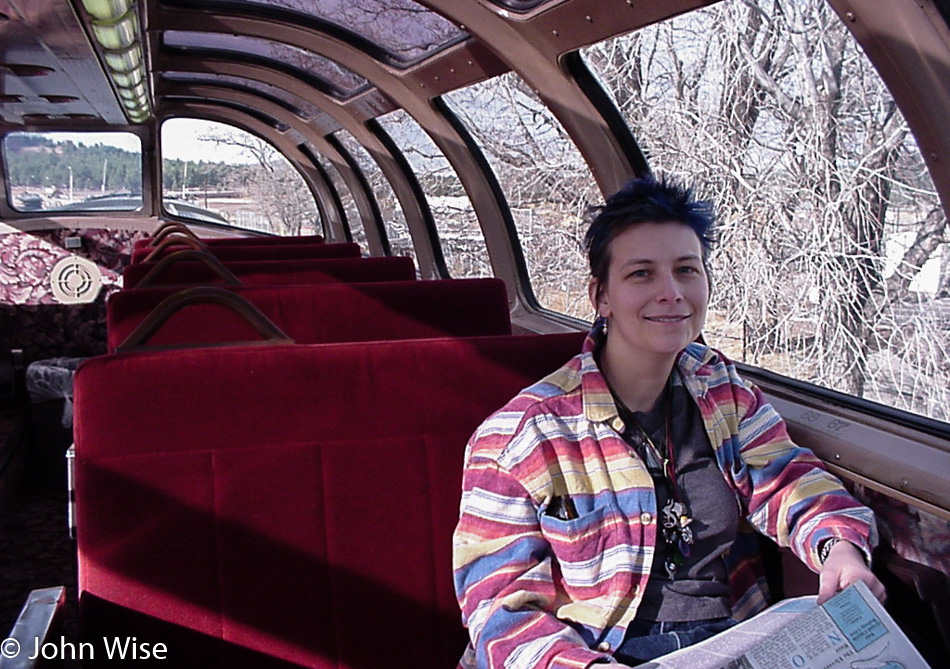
[119, 33]
[107, 10]
[125, 60]
[136, 94]
[129, 79]
[115, 26]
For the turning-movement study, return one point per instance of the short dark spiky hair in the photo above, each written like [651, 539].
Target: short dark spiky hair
[646, 199]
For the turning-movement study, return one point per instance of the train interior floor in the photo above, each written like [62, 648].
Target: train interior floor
[36, 550]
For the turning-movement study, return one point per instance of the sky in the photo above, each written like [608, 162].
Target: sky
[179, 142]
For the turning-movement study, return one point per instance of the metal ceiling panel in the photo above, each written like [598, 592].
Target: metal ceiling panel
[47, 66]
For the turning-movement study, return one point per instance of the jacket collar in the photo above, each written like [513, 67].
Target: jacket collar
[695, 362]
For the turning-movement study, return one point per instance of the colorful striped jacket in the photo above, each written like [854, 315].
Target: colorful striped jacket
[539, 591]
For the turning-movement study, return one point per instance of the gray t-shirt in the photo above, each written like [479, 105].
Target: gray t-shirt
[700, 588]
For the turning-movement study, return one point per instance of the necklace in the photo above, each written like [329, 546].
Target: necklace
[675, 519]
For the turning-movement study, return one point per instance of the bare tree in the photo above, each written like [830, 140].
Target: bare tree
[546, 181]
[282, 197]
[772, 110]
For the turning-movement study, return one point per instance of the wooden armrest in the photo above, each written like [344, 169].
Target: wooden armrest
[152, 277]
[169, 227]
[38, 619]
[174, 240]
[139, 337]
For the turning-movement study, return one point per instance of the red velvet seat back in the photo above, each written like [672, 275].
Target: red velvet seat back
[294, 503]
[282, 272]
[248, 241]
[266, 252]
[326, 313]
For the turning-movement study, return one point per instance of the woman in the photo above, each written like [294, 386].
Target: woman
[606, 509]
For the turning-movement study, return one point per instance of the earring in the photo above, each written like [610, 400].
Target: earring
[604, 328]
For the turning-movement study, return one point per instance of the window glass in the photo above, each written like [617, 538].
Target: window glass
[333, 78]
[404, 29]
[519, 5]
[394, 220]
[460, 235]
[215, 172]
[350, 211]
[546, 181]
[831, 266]
[73, 171]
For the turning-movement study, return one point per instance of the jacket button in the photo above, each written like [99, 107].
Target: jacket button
[646, 518]
[603, 646]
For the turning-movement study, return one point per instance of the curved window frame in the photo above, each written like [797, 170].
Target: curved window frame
[541, 142]
[380, 191]
[435, 228]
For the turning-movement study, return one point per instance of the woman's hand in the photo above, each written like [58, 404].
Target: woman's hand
[845, 565]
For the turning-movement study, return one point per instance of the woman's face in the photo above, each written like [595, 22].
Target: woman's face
[656, 291]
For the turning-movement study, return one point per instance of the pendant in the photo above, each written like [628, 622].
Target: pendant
[671, 567]
[677, 534]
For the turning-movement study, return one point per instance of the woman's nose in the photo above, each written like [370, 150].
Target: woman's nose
[668, 289]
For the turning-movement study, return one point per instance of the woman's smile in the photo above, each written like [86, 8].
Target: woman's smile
[667, 319]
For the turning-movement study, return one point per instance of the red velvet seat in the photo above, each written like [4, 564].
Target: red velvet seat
[326, 313]
[282, 272]
[286, 505]
[265, 252]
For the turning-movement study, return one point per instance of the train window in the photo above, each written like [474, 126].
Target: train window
[394, 219]
[546, 181]
[460, 235]
[832, 267]
[353, 224]
[325, 74]
[219, 173]
[73, 171]
[404, 29]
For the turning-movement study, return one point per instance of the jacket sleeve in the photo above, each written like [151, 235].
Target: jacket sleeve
[503, 576]
[789, 494]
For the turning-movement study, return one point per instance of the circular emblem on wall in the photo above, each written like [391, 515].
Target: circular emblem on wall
[75, 280]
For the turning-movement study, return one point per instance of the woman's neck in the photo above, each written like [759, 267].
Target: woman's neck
[637, 380]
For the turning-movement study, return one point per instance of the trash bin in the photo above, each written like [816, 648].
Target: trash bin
[50, 386]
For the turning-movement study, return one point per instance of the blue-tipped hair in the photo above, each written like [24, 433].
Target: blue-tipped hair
[646, 199]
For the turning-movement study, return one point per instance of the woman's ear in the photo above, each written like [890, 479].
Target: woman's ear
[598, 297]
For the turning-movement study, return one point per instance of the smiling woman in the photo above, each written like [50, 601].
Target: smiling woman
[631, 468]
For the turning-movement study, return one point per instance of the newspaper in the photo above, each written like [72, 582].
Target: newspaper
[849, 631]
